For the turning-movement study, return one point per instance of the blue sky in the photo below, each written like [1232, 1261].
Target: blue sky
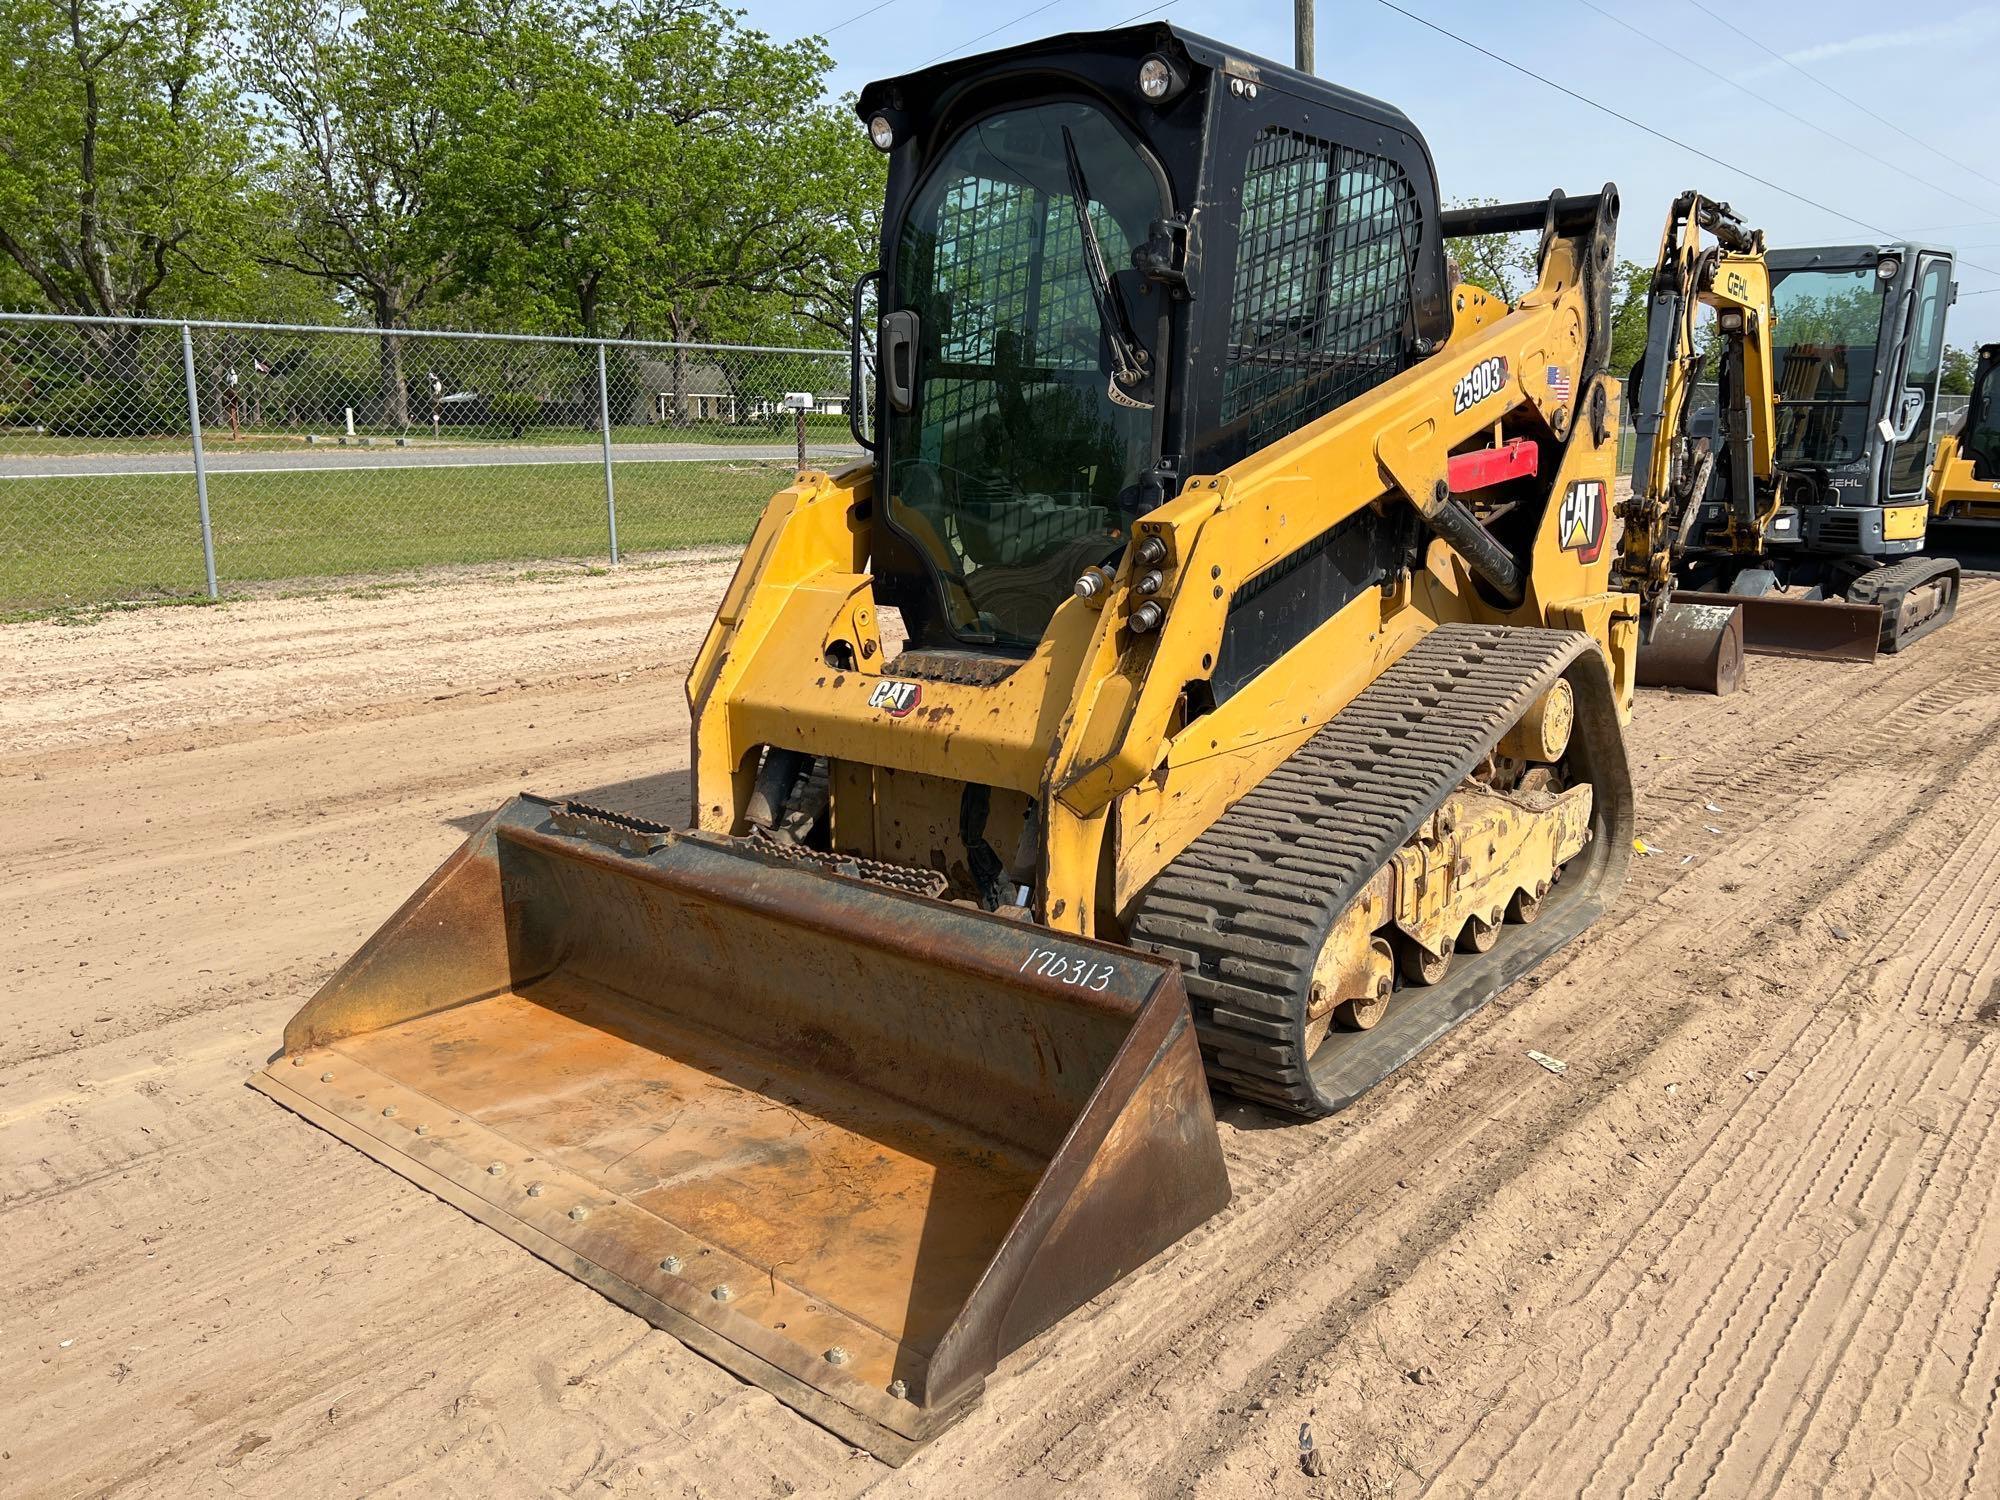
[1929, 72]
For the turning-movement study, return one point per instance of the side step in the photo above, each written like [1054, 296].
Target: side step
[1246, 908]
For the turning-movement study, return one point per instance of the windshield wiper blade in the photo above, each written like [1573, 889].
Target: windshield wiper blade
[1131, 379]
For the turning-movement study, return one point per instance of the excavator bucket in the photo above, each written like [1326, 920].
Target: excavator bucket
[1697, 646]
[853, 1143]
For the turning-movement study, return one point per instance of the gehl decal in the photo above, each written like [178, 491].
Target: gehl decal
[1581, 522]
[1487, 378]
[896, 697]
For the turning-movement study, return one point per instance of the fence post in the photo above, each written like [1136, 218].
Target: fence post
[604, 426]
[200, 459]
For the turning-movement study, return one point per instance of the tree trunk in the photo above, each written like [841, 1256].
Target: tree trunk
[395, 394]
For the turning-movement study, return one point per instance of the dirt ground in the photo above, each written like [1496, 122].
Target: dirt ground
[1743, 1246]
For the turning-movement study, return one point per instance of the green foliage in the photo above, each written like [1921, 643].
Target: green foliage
[514, 410]
[1631, 290]
[1503, 264]
[99, 411]
[1958, 368]
[125, 159]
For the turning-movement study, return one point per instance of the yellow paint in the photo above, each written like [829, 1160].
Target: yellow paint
[1095, 726]
[1904, 523]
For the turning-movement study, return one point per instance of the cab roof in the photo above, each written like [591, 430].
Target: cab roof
[919, 92]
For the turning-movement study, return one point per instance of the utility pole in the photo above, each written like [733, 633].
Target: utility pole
[1302, 31]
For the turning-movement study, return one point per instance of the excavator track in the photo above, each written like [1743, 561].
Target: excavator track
[1917, 596]
[1246, 908]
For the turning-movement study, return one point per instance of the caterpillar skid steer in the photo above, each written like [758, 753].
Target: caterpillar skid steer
[1800, 510]
[1255, 713]
[1965, 473]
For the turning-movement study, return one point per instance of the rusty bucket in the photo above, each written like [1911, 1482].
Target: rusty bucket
[1694, 645]
[853, 1144]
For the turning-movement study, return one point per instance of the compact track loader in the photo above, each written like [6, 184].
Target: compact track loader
[1965, 473]
[1800, 506]
[1214, 680]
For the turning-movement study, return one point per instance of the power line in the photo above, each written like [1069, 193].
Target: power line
[1029, 14]
[1769, 103]
[1659, 135]
[860, 15]
[1003, 26]
[1846, 98]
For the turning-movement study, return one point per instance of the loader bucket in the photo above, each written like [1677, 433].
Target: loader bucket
[851, 1143]
[1697, 646]
[1819, 629]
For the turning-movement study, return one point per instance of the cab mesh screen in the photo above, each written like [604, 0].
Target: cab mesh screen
[1321, 308]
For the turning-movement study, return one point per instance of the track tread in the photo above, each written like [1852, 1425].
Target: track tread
[1246, 907]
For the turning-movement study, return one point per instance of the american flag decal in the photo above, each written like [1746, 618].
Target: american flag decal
[1559, 383]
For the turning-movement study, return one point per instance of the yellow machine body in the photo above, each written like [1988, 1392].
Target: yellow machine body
[902, 1049]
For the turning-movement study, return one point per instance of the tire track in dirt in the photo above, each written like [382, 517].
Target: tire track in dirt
[377, 1341]
[1818, 748]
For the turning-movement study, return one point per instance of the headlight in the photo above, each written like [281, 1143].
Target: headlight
[1159, 79]
[1887, 267]
[882, 133]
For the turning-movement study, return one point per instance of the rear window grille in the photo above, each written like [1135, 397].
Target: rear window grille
[1326, 259]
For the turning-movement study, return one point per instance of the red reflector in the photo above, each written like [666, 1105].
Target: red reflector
[1491, 466]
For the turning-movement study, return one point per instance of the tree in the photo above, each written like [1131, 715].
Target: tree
[124, 159]
[659, 168]
[1503, 264]
[1631, 299]
[355, 97]
[1957, 378]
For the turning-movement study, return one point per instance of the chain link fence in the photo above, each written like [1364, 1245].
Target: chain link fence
[149, 460]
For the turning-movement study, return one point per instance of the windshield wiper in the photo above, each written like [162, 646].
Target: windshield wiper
[1131, 378]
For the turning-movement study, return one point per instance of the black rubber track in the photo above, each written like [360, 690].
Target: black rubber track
[1888, 584]
[1246, 908]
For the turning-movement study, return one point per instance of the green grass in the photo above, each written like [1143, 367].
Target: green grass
[65, 541]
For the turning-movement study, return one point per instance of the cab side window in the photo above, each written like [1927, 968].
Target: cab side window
[1321, 306]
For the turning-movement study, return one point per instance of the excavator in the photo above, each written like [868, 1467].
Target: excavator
[1212, 680]
[1965, 473]
[1799, 504]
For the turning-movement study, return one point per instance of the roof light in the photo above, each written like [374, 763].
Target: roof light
[1887, 267]
[882, 133]
[1159, 79]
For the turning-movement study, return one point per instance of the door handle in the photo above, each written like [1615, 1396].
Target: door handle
[899, 359]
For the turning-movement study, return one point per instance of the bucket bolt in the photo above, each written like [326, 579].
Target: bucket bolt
[671, 1265]
[578, 1214]
[898, 1389]
[497, 1169]
[722, 1293]
[837, 1355]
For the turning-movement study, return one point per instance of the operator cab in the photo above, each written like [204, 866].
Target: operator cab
[1857, 354]
[1979, 438]
[1109, 261]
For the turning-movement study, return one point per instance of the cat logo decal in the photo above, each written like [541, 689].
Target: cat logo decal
[897, 698]
[1581, 523]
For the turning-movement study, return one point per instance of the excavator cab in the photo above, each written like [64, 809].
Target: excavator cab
[1858, 348]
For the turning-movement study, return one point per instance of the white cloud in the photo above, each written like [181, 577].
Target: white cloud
[1973, 25]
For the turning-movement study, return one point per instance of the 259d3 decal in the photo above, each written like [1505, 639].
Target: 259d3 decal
[1487, 378]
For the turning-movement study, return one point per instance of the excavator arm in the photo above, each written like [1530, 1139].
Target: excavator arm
[1671, 468]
